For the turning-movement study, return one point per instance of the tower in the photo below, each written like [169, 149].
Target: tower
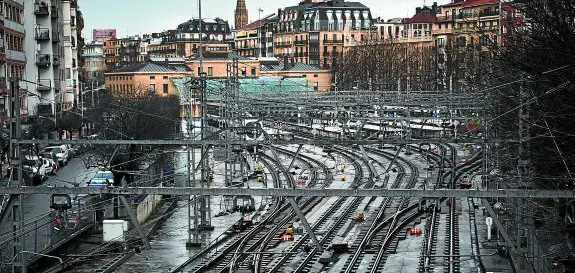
[241, 14]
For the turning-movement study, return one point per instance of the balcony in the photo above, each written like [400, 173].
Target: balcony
[445, 19]
[44, 85]
[44, 109]
[301, 43]
[55, 60]
[442, 31]
[54, 12]
[283, 44]
[488, 13]
[3, 86]
[42, 34]
[43, 59]
[314, 55]
[55, 36]
[327, 41]
[41, 8]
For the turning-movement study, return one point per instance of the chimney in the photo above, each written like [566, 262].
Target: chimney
[417, 10]
[292, 62]
[286, 63]
[434, 9]
[166, 62]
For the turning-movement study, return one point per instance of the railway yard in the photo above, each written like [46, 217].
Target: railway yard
[379, 143]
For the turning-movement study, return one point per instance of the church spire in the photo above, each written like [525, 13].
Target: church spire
[241, 14]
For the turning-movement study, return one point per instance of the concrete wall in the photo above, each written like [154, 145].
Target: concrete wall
[147, 206]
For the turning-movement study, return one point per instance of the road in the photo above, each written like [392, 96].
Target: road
[37, 210]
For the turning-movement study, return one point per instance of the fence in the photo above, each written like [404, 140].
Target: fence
[44, 234]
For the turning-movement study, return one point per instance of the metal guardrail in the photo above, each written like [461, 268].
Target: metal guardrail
[42, 235]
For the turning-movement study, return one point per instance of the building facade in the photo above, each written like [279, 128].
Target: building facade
[95, 63]
[256, 39]
[12, 56]
[121, 52]
[185, 40]
[315, 32]
[44, 82]
[72, 45]
[215, 65]
[319, 79]
[143, 78]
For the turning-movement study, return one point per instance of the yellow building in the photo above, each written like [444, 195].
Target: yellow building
[318, 78]
[144, 78]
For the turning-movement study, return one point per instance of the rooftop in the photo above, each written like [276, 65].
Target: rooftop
[422, 17]
[249, 86]
[469, 3]
[144, 67]
[279, 66]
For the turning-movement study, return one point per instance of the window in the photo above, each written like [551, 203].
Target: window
[210, 71]
[152, 88]
[253, 71]
[152, 77]
[165, 77]
[315, 75]
[165, 88]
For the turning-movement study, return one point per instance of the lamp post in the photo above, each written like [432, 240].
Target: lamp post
[83, 101]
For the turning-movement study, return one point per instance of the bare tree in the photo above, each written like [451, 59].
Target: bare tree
[138, 115]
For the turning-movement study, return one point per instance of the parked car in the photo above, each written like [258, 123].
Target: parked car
[52, 161]
[35, 169]
[61, 153]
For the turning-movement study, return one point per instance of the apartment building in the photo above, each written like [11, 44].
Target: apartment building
[470, 22]
[185, 40]
[256, 39]
[314, 32]
[73, 44]
[43, 83]
[12, 57]
[94, 63]
[121, 52]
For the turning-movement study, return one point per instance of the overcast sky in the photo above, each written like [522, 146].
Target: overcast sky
[146, 16]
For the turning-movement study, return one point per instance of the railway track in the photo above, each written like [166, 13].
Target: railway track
[235, 256]
[373, 236]
[250, 239]
[331, 220]
[450, 249]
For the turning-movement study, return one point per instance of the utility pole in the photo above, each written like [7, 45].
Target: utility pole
[18, 240]
[205, 221]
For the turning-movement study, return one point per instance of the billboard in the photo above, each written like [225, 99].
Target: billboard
[103, 34]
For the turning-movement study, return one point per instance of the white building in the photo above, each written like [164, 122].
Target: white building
[44, 50]
[72, 83]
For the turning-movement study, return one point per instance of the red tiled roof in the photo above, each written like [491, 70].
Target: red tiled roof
[422, 17]
[468, 3]
[255, 24]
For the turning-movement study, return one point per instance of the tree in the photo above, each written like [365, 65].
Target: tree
[68, 122]
[539, 47]
[139, 115]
